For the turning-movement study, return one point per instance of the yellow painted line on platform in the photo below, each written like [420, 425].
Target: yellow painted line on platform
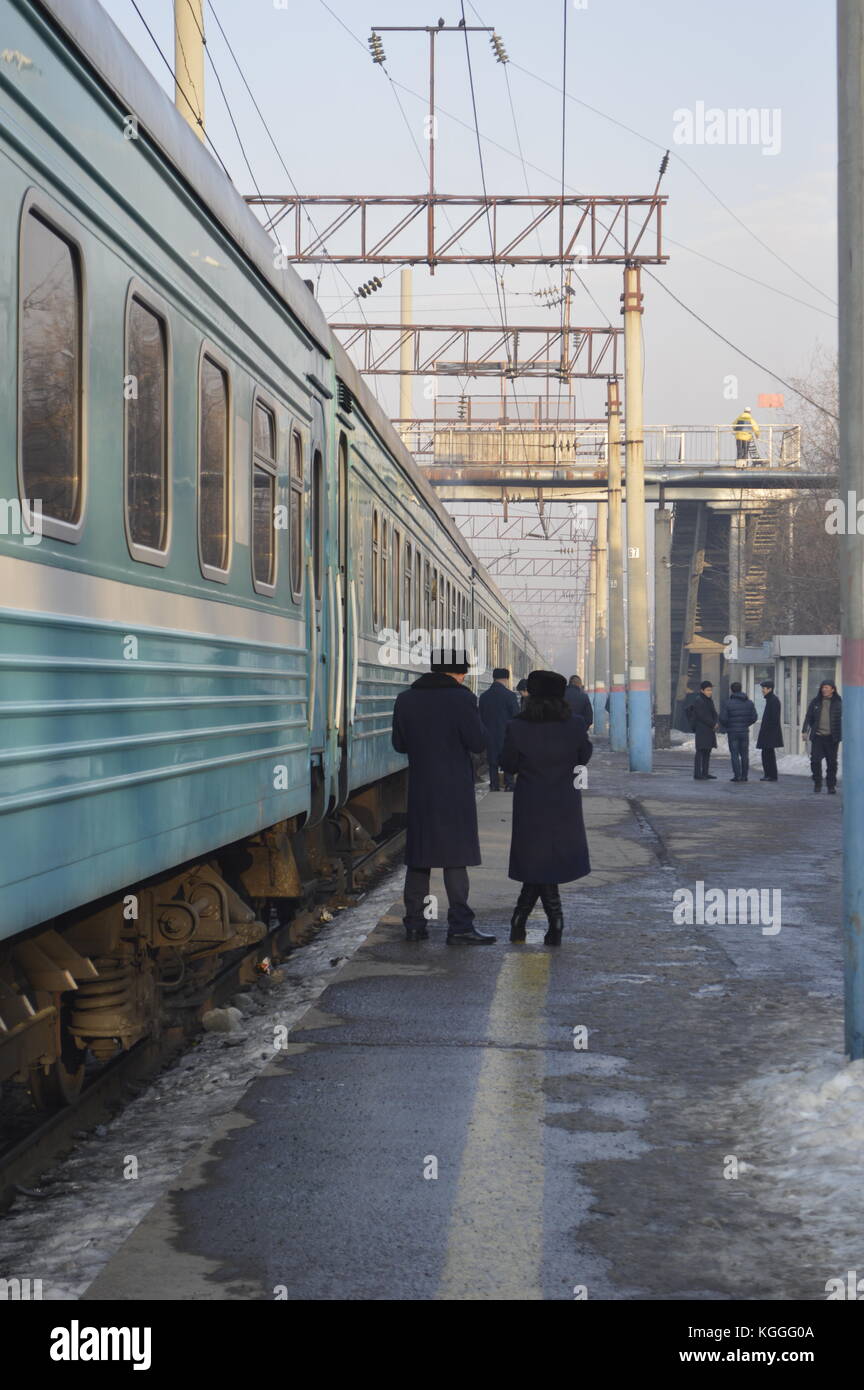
[495, 1243]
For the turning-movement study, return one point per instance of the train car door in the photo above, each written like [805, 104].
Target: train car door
[345, 605]
[319, 622]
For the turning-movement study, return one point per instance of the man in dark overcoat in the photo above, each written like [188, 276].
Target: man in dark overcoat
[770, 733]
[437, 723]
[498, 705]
[702, 713]
[579, 700]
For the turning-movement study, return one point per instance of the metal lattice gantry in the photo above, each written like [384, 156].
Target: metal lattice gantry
[385, 229]
[482, 349]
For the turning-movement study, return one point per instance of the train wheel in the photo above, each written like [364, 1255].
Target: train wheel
[62, 1083]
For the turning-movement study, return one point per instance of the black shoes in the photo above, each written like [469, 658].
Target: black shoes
[832, 791]
[736, 779]
[472, 937]
[767, 779]
[416, 934]
[817, 787]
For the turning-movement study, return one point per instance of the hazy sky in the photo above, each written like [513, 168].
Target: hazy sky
[336, 120]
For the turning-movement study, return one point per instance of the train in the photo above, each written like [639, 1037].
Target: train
[206, 523]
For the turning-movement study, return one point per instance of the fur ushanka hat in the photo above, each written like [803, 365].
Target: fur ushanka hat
[547, 685]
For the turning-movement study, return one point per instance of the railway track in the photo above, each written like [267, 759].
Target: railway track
[47, 1138]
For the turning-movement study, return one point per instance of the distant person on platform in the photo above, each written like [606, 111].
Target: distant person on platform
[823, 725]
[737, 713]
[702, 714]
[770, 733]
[548, 845]
[746, 433]
[522, 691]
[437, 723]
[498, 705]
[578, 699]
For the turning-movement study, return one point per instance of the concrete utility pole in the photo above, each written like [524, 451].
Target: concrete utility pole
[601, 676]
[850, 47]
[189, 62]
[662, 627]
[406, 394]
[590, 673]
[615, 535]
[638, 684]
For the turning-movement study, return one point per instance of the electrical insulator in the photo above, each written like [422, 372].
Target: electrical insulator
[498, 49]
[376, 48]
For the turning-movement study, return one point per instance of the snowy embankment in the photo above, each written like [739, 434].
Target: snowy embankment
[809, 1138]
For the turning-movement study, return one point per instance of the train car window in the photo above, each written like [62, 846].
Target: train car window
[397, 577]
[385, 572]
[51, 365]
[264, 465]
[376, 571]
[427, 620]
[343, 503]
[295, 515]
[317, 522]
[418, 588]
[213, 468]
[146, 408]
[408, 580]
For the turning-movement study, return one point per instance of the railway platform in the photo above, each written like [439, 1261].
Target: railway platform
[604, 1121]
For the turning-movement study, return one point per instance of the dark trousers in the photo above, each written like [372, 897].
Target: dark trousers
[739, 752]
[492, 755]
[459, 915]
[742, 448]
[701, 761]
[769, 763]
[823, 746]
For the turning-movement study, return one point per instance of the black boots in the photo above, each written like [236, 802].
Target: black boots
[527, 898]
[551, 900]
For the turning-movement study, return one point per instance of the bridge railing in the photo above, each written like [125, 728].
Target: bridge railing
[579, 446]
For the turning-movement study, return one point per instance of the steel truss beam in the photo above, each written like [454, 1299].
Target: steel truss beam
[383, 229]
[574, 352]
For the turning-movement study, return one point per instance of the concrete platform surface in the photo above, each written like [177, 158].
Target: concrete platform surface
[513, 1122]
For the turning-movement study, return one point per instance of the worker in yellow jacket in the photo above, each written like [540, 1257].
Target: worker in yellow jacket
[746, 430]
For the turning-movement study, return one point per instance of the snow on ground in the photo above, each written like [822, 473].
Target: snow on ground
[788, 764]
[809, 1140]
[90, 1202]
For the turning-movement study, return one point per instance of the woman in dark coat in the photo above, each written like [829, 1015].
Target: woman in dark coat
[545, 744]
[770, 733]
[702, 714]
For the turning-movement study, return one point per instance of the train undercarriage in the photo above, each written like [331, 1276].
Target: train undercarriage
[77, 991]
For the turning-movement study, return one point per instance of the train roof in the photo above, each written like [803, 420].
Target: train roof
[118, 66]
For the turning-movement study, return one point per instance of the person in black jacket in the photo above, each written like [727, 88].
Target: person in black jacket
[497, 705]
[579, 701]
[823, 725]
[770, 733]
[437, 723]
[736, 715]
[702, 714]
[548, 844]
